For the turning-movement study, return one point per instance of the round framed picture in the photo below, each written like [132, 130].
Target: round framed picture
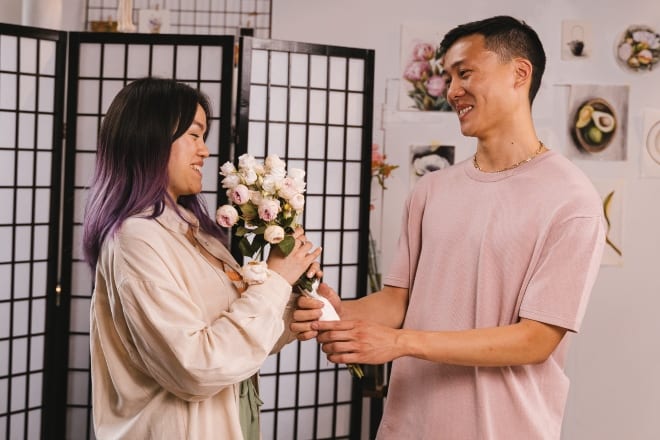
[638, 49]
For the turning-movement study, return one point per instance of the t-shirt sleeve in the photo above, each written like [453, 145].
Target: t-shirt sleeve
[404, 263]
[399, 272]
[561, 284]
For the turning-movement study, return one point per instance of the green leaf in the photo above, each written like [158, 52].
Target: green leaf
[287, 244]
[260, 230]
[245, 247]
[241, 231]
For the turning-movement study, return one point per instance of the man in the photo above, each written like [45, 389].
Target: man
[495, 263]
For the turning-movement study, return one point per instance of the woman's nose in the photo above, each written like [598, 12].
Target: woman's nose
[204, 150]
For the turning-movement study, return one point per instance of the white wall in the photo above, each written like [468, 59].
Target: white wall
[615, 392]
[67, 15]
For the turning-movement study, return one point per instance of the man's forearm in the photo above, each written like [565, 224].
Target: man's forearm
[387, 307]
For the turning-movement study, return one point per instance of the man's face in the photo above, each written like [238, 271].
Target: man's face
[480, 86]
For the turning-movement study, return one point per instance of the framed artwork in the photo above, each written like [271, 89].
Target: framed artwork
[611, 193]
[425, 159]
[576, 40]
[651, 143]
[154, 21]
[597, 122]
[423, 86]
[638, 49]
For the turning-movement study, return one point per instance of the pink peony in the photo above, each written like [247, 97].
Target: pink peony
[268, 209]
[417, 70]
[423, 52]
[226, 216]
[240, 194]
[435, 86]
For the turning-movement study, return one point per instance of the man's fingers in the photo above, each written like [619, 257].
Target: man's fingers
[332, 325]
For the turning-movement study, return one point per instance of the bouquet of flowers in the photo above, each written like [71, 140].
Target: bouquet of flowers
[265, 203]
[424, 73]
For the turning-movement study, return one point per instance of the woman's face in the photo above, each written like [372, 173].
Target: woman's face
[184, 168]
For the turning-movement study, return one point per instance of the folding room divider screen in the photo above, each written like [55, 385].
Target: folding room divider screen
[31, 100]
[311, 104]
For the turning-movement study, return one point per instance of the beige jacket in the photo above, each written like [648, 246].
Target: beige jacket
[171, 338]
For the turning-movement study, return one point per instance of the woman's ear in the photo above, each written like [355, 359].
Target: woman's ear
[523, 72]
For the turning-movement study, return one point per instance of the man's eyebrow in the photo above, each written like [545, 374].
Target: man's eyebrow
[455, 64]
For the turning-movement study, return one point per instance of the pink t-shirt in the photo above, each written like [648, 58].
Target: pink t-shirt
[482, 250]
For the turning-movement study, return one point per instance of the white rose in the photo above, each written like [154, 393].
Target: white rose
[297, 202]
[256, 197]
[246, 162]
[271, 183]
[288, 189]
[273, 162]
[226, 216]
[255, 272]
[231, 181]
[274, 234]
[249, 176]
[227, 168]
[298, 177]
[268, 209]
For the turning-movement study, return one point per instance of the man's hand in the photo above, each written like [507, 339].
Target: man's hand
[357, 342]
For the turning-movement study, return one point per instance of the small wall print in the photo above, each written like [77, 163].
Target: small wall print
[638, 49]
[651, 143]
[611, 194]
[154, 21]
[597, 122]
[425, 159]
[576, 40]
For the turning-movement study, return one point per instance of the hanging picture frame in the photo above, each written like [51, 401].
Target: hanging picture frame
[154, 21]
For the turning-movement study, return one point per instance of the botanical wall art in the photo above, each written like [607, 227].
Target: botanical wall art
[154, 21]
[611, 194]
[422, 86]
[597, 122]
[425, 159]
[576, 42]
[651, 143]
[638, 49]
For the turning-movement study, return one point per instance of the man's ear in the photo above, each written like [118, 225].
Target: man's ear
[523, 72]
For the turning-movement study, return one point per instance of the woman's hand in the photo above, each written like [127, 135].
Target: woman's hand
[309, 311]
[301, 259]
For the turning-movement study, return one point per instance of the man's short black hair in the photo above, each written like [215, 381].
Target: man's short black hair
[508, 37]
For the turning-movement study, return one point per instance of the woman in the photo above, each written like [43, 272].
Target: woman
[176, 337]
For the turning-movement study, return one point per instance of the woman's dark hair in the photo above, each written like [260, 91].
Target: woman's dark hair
[508, 37]
[134, 146]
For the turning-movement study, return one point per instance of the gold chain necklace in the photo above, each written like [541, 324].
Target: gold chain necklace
[515, 165]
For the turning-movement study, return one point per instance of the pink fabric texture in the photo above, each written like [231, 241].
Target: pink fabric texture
[481, 250]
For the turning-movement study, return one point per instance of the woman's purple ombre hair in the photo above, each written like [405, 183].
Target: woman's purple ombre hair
[134, 147]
